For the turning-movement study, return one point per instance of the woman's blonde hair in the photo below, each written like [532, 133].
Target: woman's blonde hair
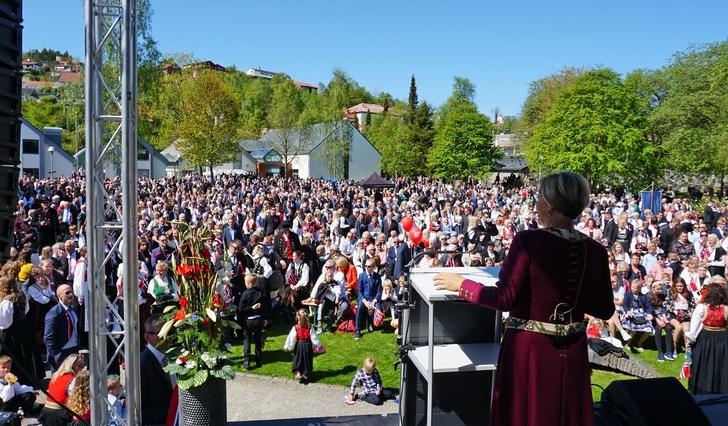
[65, 367]
[80, 399]
[341, 262]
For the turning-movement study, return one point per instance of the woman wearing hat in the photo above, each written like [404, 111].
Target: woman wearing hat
[550, 279]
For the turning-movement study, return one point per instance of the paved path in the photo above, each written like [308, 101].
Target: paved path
[252, 397]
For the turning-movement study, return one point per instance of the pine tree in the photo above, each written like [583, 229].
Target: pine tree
[413, 102]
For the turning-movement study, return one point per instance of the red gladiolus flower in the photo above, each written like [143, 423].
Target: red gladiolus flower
[185, 270]
[180, 315]
[182, 302]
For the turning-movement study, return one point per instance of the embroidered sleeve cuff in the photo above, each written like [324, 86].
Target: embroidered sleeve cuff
[469, 290]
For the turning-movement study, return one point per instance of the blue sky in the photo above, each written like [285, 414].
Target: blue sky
[500, 46]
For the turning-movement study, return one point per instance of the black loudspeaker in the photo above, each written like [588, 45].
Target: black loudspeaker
[662, 401]
[11, 57]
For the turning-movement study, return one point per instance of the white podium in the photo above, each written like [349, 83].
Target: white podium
[449, 377]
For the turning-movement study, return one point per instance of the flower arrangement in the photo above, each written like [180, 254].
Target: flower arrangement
[195, 327]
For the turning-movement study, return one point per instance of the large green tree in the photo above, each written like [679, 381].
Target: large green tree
[208, 121]
[596, 127]
[541, 96]
[463, 146]
[391, 136]
[691, 119]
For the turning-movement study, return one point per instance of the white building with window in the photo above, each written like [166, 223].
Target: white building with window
[41, 153]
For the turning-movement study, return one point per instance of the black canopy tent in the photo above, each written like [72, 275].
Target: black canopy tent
[376, 181]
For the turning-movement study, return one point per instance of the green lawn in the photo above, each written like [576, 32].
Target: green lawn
[649, 356]
[338, 365]
[344, 356]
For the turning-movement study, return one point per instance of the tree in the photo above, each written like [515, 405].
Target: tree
[463, 89]
[412, 102]
[207, 127]
[596, 127]
[541, 96]
[691, 119]
[391, 136]
[463, 93]
[46, 112]
[290, 135]
[421, 136]
[463, 146]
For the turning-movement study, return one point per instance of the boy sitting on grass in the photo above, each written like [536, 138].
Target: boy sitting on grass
[371, 382]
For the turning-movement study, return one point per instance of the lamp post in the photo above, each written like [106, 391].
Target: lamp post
[52, 151]
[176, 165]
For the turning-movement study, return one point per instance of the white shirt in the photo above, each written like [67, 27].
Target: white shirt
[6, 313]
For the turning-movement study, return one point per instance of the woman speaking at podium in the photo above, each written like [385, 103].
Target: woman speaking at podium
[551, 277]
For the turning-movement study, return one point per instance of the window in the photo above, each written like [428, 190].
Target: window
[31, 172]
[143, 172]
[274, 171]
[30, 146]
[294, 173]
[142, 154]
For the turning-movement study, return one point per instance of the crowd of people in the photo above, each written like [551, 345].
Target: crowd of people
[336, 252]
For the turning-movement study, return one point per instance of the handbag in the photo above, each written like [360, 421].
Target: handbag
[640, 320]
[377, 318]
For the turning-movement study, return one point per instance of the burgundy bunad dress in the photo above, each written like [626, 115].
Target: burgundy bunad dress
[536, 382]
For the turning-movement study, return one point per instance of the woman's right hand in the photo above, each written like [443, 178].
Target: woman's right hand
[448, 281]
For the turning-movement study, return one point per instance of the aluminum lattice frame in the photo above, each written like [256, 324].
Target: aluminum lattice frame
[110, 130]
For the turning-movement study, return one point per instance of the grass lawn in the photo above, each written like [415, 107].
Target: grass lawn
[344, 356]
[338, 365]
[649, 356]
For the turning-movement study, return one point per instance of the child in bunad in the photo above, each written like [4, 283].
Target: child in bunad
[302, 339]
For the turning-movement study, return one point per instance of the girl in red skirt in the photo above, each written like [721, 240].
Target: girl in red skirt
[302, 339]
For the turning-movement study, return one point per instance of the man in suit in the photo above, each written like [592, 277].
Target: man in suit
[231, 232]
[389, 224]
[156, 385]
[369, 293]
[61, 335]
[610, 228]
[404, 256]
[162, 252]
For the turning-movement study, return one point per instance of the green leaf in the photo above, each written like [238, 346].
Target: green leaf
[193, 381]
[225, 373]
[174, 368]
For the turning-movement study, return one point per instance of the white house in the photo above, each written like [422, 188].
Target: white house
[326, 144]
[178, 164]
[41, 153]
[150, 162]
[323, 150]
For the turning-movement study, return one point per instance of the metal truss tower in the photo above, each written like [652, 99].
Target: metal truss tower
[111, 225]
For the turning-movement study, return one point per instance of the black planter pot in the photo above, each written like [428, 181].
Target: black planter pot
[204, 405]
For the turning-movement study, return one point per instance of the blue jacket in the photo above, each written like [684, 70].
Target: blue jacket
[368, 289]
